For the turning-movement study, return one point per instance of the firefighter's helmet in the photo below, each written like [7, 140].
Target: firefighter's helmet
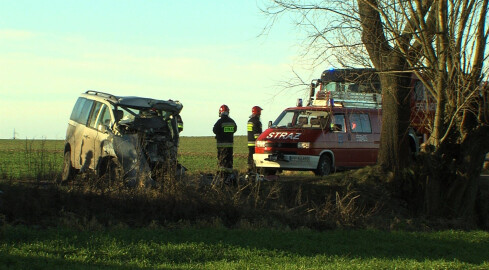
[256, 110]
[223, 110]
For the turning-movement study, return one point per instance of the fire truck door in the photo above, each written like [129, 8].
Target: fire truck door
[337, 140]
[361, 145]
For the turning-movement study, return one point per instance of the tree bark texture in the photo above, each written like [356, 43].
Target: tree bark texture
[452, 177]
[395, 89]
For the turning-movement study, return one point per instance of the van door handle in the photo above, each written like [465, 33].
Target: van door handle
[86, 136]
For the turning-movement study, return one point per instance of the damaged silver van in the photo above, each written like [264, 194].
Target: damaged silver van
[129, 138]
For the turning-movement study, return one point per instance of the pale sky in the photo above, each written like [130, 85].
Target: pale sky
[202, 53]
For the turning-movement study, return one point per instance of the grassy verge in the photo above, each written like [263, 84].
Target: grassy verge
[220, 248]
[191, 224]
[43, 159]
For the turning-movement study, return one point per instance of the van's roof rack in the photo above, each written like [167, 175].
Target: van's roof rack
[98, 93]
[348, 99]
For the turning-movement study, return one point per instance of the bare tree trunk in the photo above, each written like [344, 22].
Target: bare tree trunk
[452, 178]
[393, 152]
[452, 190]
[395, 90]
[440, 87]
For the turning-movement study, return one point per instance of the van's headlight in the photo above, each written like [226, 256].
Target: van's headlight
[303, 145]
[260, 144]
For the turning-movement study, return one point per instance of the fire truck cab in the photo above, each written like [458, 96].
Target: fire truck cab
[338, 128]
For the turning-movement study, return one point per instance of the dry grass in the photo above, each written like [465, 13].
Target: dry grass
[352, 199]
[87, 203]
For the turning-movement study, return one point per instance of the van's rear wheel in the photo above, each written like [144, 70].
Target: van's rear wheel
[324, 166]
[68, 170]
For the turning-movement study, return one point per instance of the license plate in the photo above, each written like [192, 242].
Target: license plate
[299, 158]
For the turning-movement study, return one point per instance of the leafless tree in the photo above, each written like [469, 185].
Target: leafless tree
[444, 43]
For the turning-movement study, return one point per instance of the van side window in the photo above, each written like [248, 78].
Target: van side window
[81, 110]
[93, 118]
[339, 123]
[360, 123]
[87, 107]
[77, 109]
[104, 118]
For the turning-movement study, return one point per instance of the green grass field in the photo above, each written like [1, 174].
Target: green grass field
[219, 248]
[199, 154]
[81, 241]
[21, 159]
[43, 158]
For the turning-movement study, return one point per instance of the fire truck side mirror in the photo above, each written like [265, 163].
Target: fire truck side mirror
[269, 124]
[336, 127]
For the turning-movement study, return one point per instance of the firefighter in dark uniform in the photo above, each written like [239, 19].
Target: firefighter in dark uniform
[254, 130]
[224, 129]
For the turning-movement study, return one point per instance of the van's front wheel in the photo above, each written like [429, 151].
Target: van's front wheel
[111, 171]
[324, 166]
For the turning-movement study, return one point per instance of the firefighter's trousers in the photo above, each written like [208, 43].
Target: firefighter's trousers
[225, 158]
[251, 151]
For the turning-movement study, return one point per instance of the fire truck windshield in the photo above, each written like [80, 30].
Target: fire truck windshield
[302, 119]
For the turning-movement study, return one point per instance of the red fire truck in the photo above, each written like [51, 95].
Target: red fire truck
[338, 128]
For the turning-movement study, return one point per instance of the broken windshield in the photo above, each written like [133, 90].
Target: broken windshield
[142, 119]
[302, 119]
[129, 114]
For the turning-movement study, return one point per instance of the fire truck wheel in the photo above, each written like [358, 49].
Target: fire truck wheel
[324, 166]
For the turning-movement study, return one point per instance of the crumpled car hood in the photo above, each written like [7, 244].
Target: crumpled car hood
[138, 102]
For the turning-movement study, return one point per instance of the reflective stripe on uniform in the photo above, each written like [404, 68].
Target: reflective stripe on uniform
[224, 144]
[228, 127]
[250, 126]
[251, 143]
